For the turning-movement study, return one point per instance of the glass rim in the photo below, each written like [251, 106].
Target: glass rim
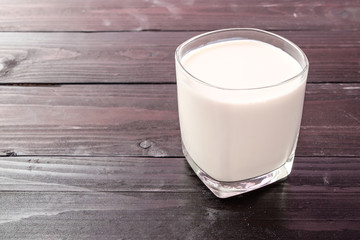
[293, 45]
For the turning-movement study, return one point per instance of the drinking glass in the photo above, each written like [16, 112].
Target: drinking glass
[238, 140]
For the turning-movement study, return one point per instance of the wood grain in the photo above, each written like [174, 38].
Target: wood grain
[129, 15]
[148, 57]
[179, 215]
[133, 174]
[142, 120]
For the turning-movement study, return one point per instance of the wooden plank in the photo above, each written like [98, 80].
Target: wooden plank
[142, 57]
[129, 15]
[142, 120]
[178, 215]
[134, 174]
[90, 120]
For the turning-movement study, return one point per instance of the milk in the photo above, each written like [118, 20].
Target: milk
[238, 118]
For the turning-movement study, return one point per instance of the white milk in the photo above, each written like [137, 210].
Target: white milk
[239, 134]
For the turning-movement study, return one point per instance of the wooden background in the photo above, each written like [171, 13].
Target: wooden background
[89, 133]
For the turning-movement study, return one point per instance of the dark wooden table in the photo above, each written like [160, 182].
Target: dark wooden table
[89, 133]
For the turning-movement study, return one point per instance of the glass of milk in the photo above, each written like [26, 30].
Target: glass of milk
[240, 100]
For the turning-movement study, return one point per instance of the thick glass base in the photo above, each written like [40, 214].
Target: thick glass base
[229, 189]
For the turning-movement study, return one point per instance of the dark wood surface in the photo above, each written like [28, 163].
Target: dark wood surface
[89, 133]
[159, 15]
[134, 57]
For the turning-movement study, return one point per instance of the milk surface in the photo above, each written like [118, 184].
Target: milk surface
[238, 134]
